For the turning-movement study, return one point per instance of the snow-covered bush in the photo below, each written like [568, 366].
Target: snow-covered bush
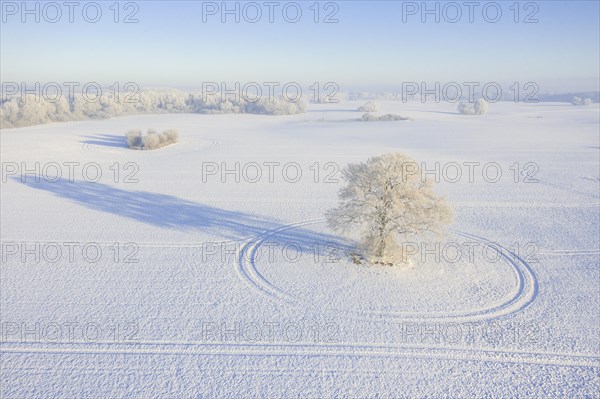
[479, 107]
[371, 106]
[387, 199]
[171, 135]
[580, 101]
[387, 117]
[152, 140]
[134, 138]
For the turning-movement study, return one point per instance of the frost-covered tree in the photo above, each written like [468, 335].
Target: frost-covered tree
[479, 107]
[466, 108]
[26, 110]
[10, 113]
[35, 111]
[370, 106]
[581, 101]
[387, 199]
[134, 138]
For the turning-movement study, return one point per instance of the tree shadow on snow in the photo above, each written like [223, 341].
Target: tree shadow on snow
[331, 110]
[170, 212]
[107, 140]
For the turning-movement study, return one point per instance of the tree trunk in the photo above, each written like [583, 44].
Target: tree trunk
[381, 246]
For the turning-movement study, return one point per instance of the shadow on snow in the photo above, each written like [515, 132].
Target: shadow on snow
[170, 212]
[107, 140]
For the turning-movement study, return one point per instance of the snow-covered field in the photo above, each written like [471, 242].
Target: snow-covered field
[178, 275]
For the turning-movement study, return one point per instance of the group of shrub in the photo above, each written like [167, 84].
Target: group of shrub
[581, 101]
[152, 140]
[478, 107]
[383, 118]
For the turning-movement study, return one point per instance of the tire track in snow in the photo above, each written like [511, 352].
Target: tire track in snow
[570, 190]
[169, 245]
[523, 296]
[570, 252]
[246, 264]
[310, 350]
[513, 205]
[561, 187]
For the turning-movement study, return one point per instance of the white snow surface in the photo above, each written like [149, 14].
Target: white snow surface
[208, 311]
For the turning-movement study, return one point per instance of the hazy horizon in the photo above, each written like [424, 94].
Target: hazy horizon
[373, 46]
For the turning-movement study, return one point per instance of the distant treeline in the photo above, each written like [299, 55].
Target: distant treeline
[29, 109]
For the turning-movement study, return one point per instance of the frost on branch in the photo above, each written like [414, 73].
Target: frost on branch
[387, 200]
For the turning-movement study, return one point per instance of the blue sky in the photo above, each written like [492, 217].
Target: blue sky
[370, 48]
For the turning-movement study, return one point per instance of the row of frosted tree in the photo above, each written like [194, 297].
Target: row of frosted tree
[34, 109]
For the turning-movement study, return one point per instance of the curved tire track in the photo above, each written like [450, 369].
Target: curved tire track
[525, 294]
[246, 264]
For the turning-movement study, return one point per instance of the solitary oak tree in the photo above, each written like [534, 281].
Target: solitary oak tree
[387, 199]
